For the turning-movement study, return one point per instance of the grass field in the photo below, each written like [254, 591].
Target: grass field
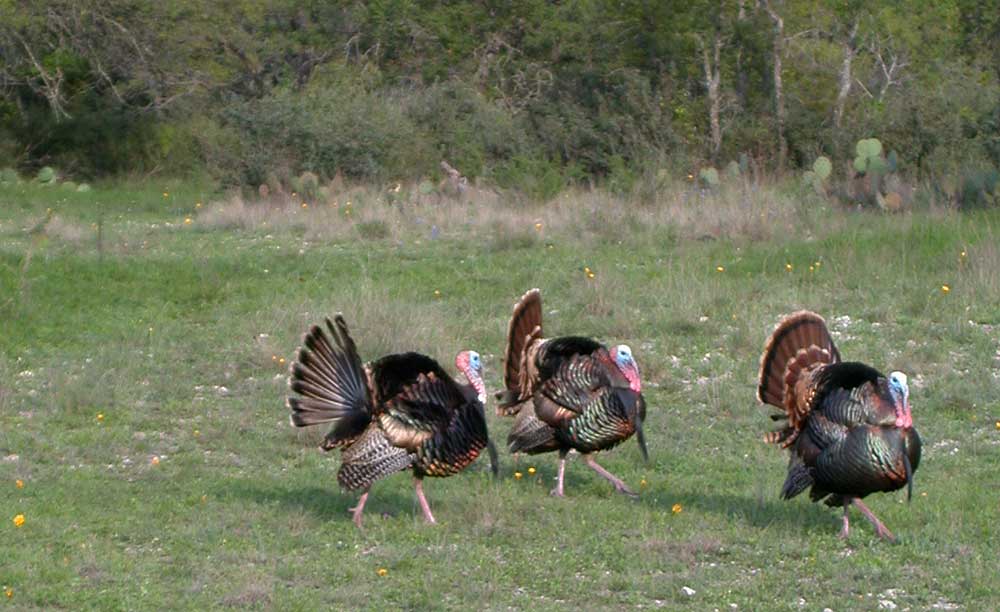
[142, 380]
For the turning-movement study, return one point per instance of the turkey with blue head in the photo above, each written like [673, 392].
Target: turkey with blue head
[401, 411]
[849, 428]
[568, 393]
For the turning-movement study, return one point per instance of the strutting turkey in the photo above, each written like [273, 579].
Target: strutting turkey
[400, 411]
[568, 393]
[849, 428]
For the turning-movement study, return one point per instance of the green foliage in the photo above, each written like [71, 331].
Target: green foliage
[539, 179]
[307, 186]
[708, 177]
[8, 176]
[733, 170]
[979, 188]
[258, 92]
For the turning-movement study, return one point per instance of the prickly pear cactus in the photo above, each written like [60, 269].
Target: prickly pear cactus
[709, 177]
[733, 170]
[46, 176]
[817, 177]
[869, 158]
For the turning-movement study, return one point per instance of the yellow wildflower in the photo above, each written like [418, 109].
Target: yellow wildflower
[197, 204]
[100, 416]
[204, 498]
[517, 475]
[788, 267]
[166, 195]
[20, 483]
[187, 221]
[9, 592]
[155, 460]
[197, 433]
[945, 289]
[383, 572]
[590, 275]
[998, 425]
[643, 483]
[538, 226]
[676, 509]
[720, 269]
[281, 361]
[531, 471]
[304, 205]
[437, 293]
[18, 520]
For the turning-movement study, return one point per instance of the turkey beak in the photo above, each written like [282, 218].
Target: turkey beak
[494, 461]
[909, 475]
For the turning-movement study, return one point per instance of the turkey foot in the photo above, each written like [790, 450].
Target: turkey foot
[558, 491]
[617, 482]
[356, 510]
[880, 529]
[419, 486]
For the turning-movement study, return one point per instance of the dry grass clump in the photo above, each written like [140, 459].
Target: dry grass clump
[753, 211]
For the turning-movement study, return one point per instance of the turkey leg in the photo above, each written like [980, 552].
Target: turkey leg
[880, 529]
[419, 486]
[847, 521]
[619, 485]
[356, 510]
[558, 491]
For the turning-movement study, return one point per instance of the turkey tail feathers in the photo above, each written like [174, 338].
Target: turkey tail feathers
[329, 384]
[800, 340]
[525, 325]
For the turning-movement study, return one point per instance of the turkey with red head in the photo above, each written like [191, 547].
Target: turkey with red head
[568, 393]
[849, 429]
[401, 411]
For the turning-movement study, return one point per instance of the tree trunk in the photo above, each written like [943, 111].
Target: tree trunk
[713, 78]
[850, 50]
[779, 96]
[742, 79]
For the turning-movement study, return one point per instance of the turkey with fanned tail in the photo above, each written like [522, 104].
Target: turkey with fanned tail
[401, 411]
[848, 428]
[568, 393]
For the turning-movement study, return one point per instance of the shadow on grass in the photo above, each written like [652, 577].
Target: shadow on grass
[328, 503]
[756, 511]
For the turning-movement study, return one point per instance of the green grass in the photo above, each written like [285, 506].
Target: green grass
[174, 333]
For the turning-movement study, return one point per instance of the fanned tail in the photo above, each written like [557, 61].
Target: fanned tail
[525, 327]
[800, 342]
[531, 435]
[329, 382]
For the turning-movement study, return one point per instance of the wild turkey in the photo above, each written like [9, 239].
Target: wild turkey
[568, 393]
[400, 411]
[848, 427]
